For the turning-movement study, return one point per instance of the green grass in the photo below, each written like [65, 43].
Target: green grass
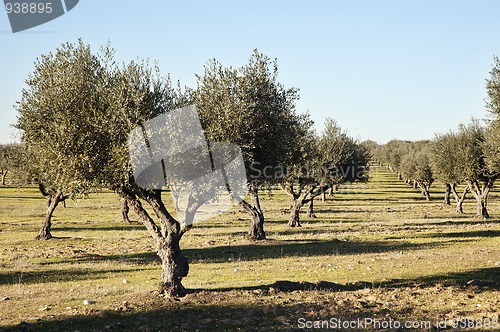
[376, 250]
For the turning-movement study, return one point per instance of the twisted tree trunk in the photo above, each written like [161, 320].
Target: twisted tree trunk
[4, 174]
[447, 194]
[425, 187]
[175, 265]
[305, 194]
[125, 210]
[480, 193]
[310, 209]
[294, 219]
[53, 199]
[256, 231]
[459, 200]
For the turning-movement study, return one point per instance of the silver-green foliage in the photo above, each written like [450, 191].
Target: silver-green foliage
[250, 107]
[60, 118]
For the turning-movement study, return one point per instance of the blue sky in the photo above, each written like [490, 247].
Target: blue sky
[381, 69]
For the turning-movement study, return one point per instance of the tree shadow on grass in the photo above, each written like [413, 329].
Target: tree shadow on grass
[132, 226]
[168, 317]
[209, 311]
[270, 250]
[46, 276]
[482, 279]
[464, 234]
[297, 248]
[442, 234]
[471, 222]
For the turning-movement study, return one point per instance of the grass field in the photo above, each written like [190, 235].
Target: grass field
[377, 251]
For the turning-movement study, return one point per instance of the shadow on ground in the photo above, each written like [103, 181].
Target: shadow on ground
[206, 310]
[270, 249]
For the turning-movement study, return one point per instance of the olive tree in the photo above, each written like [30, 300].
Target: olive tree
[59, 130]
[76, 117]
[248, 106]
[9, 155]
[415, 166]
[393, 153]
[447, 167]
[492, 134]
[331, 159]
[479, 177]
[136, 93]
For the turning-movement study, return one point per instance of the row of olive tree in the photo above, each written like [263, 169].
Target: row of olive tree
[9, 160]
[410, 160]
[327, 160]
[79, 108]
[468, 156]
[471, 155]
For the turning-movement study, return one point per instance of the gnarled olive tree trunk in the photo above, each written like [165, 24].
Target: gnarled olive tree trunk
[256, 231]
[294, 219]
[3, 174]
[447, 193]
[166, 238]
[125, 210]
[459, 200]
[305, 194]
[310, 209]
[480, 193]
[425, 187]
[53, 199]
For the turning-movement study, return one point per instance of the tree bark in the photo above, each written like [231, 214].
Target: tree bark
[4, 174]
[310, 209]
[482, 208]
[53, 200]
[481, 193]
[125, 210]
[257, 224]
[447, 194]
[304, 195]
[294, 220]
[459, 200]
[175, 265]
[256, 231]
[425, 188]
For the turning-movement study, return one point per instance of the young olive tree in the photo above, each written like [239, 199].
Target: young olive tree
[248, 106]
[59, 129]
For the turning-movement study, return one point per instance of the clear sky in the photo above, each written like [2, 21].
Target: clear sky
[383, 69]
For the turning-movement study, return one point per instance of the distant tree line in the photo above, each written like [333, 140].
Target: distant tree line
[466, 158]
